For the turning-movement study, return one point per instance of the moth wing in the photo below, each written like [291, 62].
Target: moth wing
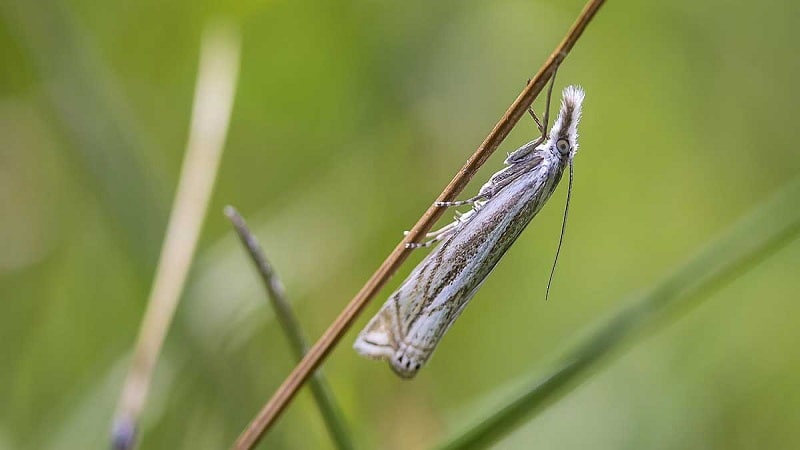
[383, 335]
[379, 339]
[426, 332]
[521, 153]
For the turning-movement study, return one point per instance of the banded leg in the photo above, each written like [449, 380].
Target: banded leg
[429, 242]
[469, 201]
[542, 128]
[535, 118]
[435, 236]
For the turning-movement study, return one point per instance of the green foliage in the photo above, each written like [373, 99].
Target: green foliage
[349, 118]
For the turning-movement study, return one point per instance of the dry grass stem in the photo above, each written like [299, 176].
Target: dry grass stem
[213, 101]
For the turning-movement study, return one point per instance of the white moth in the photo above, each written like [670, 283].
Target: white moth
[415, 317]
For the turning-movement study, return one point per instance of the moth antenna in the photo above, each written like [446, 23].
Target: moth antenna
[563, 228]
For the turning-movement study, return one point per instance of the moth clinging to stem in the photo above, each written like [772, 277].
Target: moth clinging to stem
[414, 318]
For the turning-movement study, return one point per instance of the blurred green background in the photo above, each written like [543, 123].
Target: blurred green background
[349, 119]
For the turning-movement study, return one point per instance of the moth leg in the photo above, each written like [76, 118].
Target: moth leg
[435, 233]
[435, 236]
[541, 128]
[428, 243]
[543, 125]
[547, 103]
[469, 201]
[535, 118]
[416, 245]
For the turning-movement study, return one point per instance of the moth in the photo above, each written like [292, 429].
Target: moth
[409, 326]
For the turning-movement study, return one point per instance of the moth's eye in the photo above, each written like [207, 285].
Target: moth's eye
[563, 146]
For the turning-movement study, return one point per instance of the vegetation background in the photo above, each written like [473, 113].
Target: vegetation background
[349, 118]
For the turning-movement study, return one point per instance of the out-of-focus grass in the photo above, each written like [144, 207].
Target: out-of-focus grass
[80, 99]
[348, 120]
[326, 402]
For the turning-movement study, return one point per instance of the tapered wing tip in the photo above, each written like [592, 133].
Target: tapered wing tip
[374, 345]
[403, 372]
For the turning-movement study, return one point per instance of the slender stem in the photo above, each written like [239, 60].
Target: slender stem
[323, 395]
[286, 392]
[213, 101]
[750, 241]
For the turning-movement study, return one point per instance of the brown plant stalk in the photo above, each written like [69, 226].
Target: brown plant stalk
[286, 392]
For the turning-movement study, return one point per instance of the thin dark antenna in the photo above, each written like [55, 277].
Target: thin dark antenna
[563, 228]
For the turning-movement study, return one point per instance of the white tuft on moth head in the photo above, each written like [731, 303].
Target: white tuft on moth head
[566, 126]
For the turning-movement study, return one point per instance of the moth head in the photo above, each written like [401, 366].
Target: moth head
[564, 134]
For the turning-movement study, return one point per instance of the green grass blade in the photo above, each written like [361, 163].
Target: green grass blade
[320, 389]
